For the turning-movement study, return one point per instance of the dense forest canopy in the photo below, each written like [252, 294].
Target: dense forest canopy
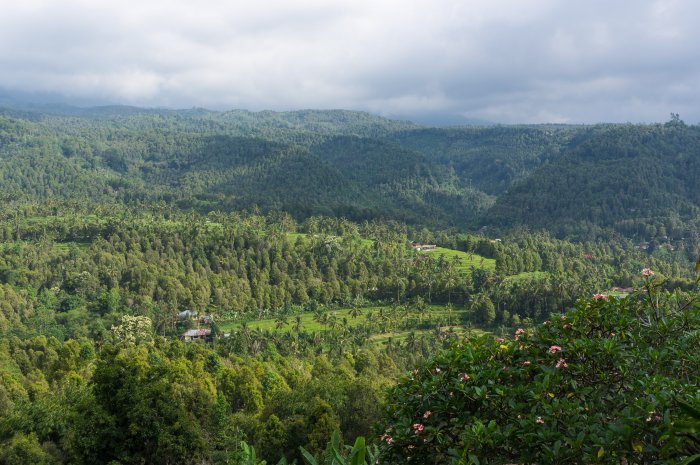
[323, 255]
[579, 182]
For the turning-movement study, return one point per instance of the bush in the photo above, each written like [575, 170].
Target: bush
[597, 385]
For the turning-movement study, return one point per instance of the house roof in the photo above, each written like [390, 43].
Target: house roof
[196, 332]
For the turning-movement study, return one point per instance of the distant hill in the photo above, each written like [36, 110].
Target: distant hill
[638, 181]
[490, 158]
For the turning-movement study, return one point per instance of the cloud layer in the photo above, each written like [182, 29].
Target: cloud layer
[499, 60]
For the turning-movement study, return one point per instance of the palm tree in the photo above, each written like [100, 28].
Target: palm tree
[245, 330]
[320, 316]
[411, 341]
[281, 322]
[332, 320]
[297, 324]
[369, 317]
[355, 312]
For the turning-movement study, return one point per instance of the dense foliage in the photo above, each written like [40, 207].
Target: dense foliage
[639, 181]
[596, 385]
[288, 237]
[167, 402]
[582, 182]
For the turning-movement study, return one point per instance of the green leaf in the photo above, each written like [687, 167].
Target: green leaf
[694, 460]
[310, 459]
[689, 409]
[687, 426]
[357, 455]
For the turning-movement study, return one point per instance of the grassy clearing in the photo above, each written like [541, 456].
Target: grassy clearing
[377, 315]
[466, 260]
[402, 335]
[307, 321]
[384, 320]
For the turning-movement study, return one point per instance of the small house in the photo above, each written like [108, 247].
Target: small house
[197, 335]
[418, 246]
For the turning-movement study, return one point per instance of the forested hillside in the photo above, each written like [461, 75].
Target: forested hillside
[183, 287]
[490, 158]
[579, 182]
[639, 181]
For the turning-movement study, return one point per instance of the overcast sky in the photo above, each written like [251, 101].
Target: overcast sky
[506, 61]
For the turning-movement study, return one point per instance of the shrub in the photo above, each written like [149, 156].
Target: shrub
[597, 385]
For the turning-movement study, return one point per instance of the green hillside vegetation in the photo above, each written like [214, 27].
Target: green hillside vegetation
[287, 234]
[580, 182]
[378, 319]
[490, 158]
[608, 382]
[638, 181]
[464, 261]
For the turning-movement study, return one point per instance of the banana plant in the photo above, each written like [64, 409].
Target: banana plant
[333, 456]
[248, 456]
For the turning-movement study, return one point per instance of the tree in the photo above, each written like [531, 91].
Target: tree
[145, 407]
[133, 330]
[25, 450]
[485, 311]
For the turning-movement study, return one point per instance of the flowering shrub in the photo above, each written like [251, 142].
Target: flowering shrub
[598, 386]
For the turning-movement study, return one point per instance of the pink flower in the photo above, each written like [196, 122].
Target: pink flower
[427, 414]
[647, 273]
[500, 340]
[417, 428]
[539, 421]
[562, 363]
[386, 438]
[600, 297]
[463, 377]
[410, 446]
[554, 349]
[519, 331]
[526, 363]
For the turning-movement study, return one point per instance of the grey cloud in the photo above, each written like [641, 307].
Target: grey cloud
[508, 61]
